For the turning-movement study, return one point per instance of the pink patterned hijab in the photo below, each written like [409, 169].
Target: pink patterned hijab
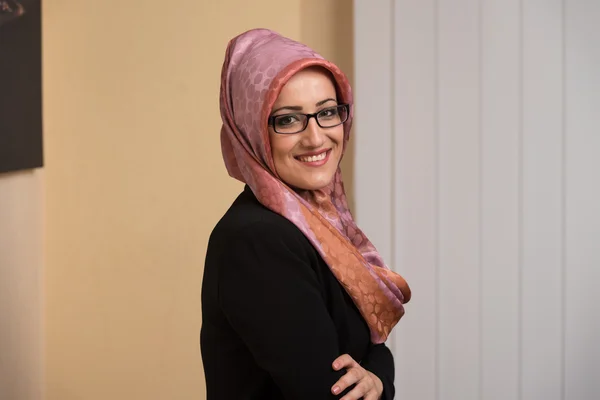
[257, 65]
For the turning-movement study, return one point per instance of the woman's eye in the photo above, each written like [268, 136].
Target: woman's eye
[329, 113]
[286, 120]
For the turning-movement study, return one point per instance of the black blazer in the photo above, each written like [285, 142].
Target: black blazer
[273, 315]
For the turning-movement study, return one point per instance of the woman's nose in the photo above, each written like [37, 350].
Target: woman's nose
[313, 135]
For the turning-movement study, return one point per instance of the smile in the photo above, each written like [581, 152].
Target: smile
[315, 159]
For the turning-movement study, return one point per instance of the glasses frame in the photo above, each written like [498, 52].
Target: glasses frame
[271, 120]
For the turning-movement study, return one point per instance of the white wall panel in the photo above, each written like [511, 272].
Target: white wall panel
[542, 189]
[582, 195]
[373, 135]
[415, 186]
[500, 139]
[459, 198]
[490, 144]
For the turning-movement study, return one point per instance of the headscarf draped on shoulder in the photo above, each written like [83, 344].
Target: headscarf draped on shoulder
[257, 65]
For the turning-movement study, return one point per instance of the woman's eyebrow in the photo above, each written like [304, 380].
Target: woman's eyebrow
[299, 108]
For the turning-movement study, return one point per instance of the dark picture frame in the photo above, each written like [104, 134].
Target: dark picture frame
[21, 136]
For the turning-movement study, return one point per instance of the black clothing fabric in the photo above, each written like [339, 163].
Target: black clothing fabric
[274, 317]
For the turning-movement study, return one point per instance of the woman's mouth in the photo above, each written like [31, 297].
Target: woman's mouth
[314, 160]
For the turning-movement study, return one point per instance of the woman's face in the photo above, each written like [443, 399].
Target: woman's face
[309, 159]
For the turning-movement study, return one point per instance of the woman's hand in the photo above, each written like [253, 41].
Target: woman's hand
[368, 385]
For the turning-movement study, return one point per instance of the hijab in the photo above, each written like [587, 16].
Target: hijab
[257, 65]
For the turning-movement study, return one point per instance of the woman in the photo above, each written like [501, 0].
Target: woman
[296, 302]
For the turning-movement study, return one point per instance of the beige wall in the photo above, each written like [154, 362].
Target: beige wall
[135, 181]
[21, 268]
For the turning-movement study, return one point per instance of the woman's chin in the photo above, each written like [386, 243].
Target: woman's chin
[311, 184]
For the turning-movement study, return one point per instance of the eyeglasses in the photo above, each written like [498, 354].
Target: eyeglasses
[297, 122]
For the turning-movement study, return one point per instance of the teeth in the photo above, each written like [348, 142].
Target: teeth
[319, 157]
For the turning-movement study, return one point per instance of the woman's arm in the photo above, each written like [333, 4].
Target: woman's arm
[271, 297]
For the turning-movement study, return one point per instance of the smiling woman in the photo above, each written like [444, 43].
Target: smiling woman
[307, 148]
[296, 301]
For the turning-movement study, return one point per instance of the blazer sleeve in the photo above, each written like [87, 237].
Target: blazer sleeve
[380, 361]
[270, 295]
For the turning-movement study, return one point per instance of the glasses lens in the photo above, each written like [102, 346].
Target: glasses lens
[332, 116]
[289, 123]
